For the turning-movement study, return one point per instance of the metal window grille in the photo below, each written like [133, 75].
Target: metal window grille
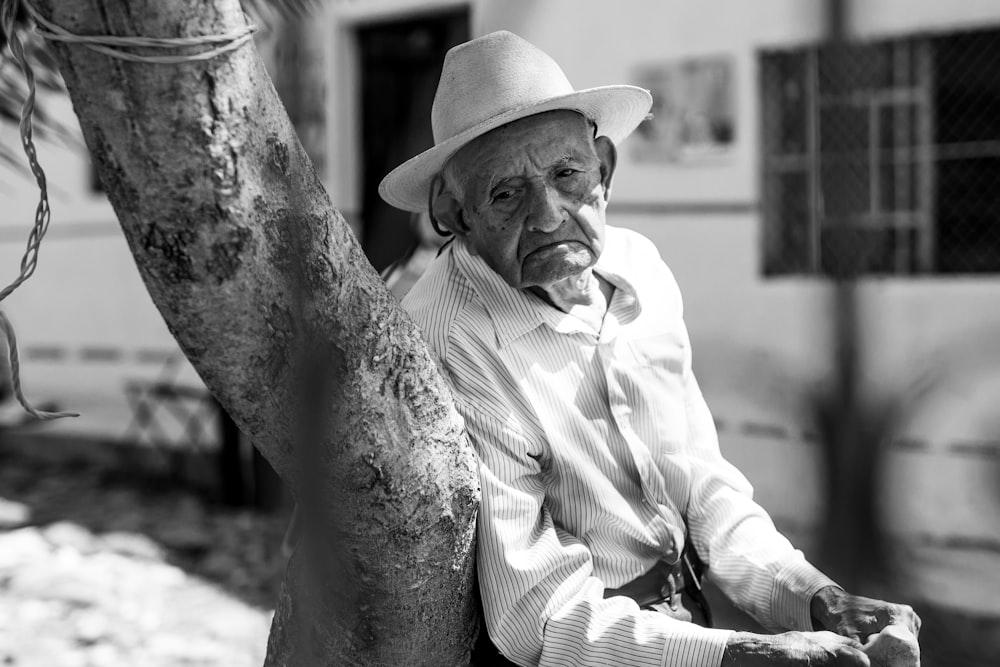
[883, 157]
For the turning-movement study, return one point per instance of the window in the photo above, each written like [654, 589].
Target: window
[883, 157]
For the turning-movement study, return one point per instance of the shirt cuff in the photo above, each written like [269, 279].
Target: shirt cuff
[695, 647]
[791, 597]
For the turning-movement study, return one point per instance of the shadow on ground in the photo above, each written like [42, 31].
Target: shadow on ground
[102, 566]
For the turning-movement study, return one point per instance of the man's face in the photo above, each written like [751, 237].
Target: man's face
[534, 196]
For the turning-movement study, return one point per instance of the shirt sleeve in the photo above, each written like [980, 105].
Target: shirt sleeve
[754, 564]
[541, 602]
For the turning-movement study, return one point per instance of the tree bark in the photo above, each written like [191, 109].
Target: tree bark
[272, 300]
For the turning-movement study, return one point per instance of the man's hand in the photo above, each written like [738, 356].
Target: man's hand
[793, 649]
[858, 617]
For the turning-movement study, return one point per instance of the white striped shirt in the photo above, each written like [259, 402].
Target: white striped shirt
[593, 447]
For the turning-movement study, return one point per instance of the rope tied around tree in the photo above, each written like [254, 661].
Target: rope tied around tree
[111, 46]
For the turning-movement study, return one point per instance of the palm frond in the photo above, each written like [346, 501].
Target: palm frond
[13, 90]
[20, 21]
[268, 14]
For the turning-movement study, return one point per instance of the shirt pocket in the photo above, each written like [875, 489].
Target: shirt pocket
[652, 380]
[663, 352]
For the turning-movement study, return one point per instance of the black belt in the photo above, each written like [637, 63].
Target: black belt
[665, 582]
[687, 574]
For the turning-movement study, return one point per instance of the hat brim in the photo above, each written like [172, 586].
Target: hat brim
[617, 110]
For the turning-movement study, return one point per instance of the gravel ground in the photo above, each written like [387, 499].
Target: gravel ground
[99, 569]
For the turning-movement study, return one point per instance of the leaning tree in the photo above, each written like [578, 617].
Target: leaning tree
[269, 295]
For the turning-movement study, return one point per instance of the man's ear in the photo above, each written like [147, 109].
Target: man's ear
[608, 155]
[447, 210]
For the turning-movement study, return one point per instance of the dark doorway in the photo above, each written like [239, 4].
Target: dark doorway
[400, 67]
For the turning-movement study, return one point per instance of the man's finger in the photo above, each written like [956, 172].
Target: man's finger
[839, 641]
[856, 658]
[911, 620]
[895, 645]
[904, 615]
[850, 655]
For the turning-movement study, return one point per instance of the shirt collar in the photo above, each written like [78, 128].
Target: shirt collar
[515, 312]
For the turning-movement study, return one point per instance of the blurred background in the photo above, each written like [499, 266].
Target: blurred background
[822, 176]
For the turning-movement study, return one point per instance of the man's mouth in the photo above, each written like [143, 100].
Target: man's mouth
[567, 244]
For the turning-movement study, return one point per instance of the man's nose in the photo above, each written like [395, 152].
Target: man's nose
[547, 212]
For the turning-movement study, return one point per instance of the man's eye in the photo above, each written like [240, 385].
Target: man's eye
[503, 195]
[565, 173]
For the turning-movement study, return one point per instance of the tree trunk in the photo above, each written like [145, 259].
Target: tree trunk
[272, 300]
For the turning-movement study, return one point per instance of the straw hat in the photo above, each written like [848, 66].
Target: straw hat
[494, 80]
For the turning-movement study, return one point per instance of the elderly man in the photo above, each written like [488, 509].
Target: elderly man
[602, 480]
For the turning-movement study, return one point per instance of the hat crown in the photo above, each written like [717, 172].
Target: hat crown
[490, 76]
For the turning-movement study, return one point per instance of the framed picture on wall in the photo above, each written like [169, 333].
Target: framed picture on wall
[694, 113]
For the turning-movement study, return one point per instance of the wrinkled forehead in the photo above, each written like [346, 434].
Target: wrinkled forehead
[523, 146]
